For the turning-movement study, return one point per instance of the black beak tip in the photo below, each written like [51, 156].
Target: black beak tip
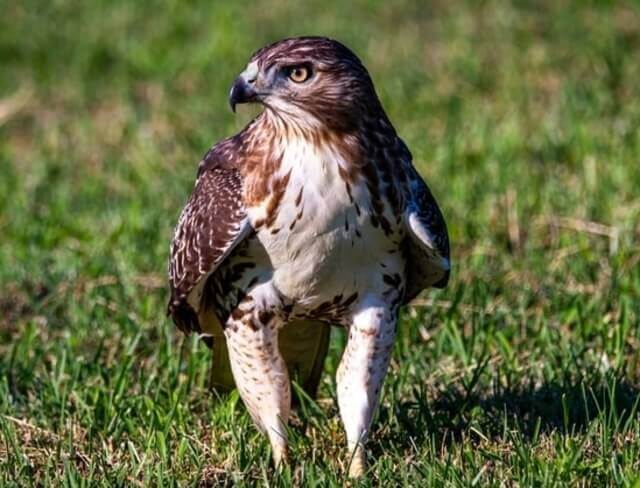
[233, 98]
[237, 94]
[241, 92]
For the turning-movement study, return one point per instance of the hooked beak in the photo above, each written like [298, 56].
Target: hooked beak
[242, 91]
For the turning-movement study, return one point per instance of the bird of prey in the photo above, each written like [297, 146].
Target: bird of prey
[312, 215]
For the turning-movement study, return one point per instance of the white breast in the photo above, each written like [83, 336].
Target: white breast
[319, 245]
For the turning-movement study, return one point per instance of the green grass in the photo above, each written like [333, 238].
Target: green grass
[525, 120]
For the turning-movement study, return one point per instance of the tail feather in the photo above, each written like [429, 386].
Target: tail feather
[303, 345]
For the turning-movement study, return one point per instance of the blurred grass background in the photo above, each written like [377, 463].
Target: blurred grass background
[523, 117]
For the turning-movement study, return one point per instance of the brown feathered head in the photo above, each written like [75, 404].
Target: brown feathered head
[308, 81]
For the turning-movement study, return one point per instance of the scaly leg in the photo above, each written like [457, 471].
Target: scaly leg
[361, 373]
[258, 369]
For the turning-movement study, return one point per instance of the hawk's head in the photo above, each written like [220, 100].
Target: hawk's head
[308, 81]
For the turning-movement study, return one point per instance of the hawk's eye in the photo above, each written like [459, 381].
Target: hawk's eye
[299, 74]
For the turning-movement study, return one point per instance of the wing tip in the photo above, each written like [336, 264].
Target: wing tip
[444, 281]
[183, 316]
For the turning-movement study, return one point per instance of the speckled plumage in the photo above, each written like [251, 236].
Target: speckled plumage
[314, 212]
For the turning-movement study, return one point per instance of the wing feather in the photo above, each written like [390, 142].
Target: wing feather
[428, 243]
[211, 225]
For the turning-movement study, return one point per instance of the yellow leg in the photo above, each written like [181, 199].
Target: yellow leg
[358, 464]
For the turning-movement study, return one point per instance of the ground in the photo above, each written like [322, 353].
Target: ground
[524, 118]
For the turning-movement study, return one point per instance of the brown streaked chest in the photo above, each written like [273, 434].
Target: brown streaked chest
[322, 215]
[303, 183]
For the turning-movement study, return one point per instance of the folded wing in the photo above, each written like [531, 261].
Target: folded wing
[211, 225]
[428, 243]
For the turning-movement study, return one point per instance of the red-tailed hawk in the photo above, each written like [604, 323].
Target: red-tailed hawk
[311, 215]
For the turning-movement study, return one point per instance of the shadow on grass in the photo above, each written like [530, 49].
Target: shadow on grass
[567, 408]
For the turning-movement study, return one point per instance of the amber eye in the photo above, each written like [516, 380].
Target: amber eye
[299, 74]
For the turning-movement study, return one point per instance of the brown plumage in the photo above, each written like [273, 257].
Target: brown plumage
[312, 215]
